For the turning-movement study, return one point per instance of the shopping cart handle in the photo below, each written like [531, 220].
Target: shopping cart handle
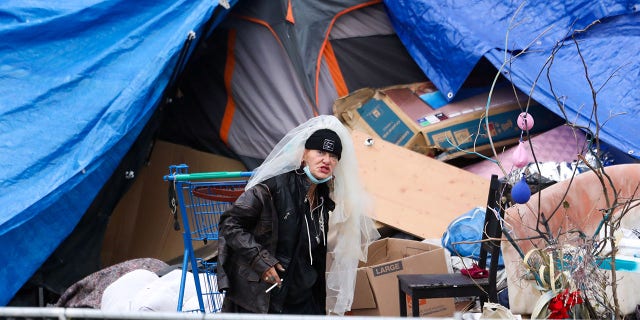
[207, 175]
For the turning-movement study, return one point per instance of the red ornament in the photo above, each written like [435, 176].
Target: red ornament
[560, 306]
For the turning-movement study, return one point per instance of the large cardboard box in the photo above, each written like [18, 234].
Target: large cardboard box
[398, 115]
[372, 111]
[376, 290]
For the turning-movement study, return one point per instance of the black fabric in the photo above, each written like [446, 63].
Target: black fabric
[244, 256]
[228, 306]
[387, 62]
[289, 205]
[326, 140]
[195, 114]
[309, 306]
[303, 289]
[305, 285]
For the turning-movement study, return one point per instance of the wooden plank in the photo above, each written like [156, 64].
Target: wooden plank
[415, 193]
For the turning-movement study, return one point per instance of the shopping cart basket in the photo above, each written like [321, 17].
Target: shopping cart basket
[202, 198]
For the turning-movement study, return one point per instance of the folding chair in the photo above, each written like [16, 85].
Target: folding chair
[421, 286]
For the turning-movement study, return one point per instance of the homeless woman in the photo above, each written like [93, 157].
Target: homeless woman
[291, 242]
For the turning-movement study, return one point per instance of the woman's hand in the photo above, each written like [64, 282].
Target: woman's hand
[271, 275]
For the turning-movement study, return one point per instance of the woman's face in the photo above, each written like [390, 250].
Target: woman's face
[321, 163]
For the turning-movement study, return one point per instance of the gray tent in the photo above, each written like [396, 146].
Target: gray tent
[272, 65]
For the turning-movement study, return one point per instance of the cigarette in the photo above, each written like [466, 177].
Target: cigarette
[273, 286]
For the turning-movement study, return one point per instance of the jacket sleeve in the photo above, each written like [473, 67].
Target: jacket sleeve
[239, 223]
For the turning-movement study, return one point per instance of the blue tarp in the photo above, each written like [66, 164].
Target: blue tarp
[78, 80]
[464, 235]
[447, 38]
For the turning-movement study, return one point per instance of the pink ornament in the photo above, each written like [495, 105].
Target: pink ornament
[520, 155]
[525, 121]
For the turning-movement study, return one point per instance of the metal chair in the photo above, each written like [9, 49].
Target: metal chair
[421, 286]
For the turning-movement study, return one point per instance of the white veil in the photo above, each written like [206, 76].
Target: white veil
[351, 228]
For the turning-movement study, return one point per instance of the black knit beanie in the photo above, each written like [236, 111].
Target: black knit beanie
[326, 140]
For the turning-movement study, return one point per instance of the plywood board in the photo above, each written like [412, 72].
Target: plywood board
[415, 193]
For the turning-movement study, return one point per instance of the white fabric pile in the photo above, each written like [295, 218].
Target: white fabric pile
[143, 290]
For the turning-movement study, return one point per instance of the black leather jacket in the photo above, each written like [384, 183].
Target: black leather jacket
[249, 237]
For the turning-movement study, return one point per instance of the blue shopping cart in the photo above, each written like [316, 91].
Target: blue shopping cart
[202, 198]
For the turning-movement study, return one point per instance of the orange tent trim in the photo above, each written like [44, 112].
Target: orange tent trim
[334, 70]
[230, 107]
[326, 41]
[290, 17]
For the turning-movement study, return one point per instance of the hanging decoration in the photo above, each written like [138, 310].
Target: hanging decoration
[520, 193]
[520, 155]
[525, 121]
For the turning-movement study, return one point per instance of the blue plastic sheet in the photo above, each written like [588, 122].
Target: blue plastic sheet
[78, 81]
[463, 235]
[448, 38]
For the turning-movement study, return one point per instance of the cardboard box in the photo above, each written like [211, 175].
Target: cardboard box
[398, 115]
[141, 225]
[460, 125]
[372, 111]
[376, 291]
